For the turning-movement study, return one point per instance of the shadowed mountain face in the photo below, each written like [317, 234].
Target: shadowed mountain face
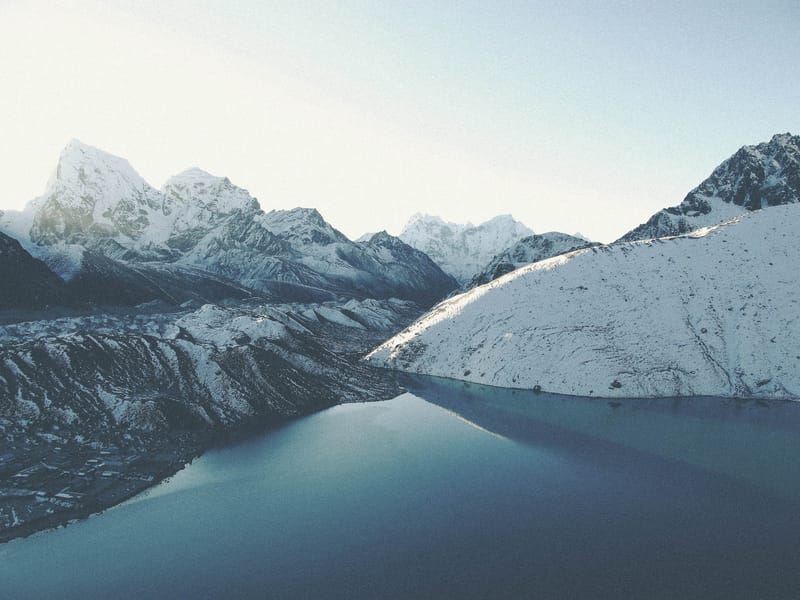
[755, 177]
[99, 223]
[26, 282]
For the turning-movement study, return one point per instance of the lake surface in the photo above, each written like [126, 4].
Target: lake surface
[457, 491]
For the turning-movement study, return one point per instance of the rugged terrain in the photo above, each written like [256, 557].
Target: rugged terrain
[201, 237]
[756, 177]
[714, 312]
[95, 408]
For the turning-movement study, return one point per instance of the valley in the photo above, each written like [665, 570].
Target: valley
[141, 327]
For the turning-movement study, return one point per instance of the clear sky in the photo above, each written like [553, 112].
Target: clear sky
[572, 116]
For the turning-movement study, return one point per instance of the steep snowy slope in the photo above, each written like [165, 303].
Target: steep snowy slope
[94, 197]
[528, 250]
[755, 177]
[714, 312]
[462, 250]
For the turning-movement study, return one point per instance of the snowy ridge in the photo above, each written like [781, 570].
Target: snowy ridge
[462, 250]
[715, 312]
[755, 177]
[528, 250]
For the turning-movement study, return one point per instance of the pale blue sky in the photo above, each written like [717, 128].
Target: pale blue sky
[577, 116]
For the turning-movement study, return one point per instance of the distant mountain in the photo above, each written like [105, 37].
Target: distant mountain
[755, 177]
[102, 226]
[713, 312]
[462, 250]
[528, 250]
[26, 282]
[409, 271]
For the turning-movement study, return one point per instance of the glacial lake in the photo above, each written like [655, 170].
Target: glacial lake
[462, 491]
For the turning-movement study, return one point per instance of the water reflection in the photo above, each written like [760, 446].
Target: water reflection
[753, 441]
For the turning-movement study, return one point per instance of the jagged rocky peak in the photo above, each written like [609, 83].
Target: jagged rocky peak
[755, 177]
[303, 225]
[92, 195]
[462, 250]
[199, 189]
[382, 238]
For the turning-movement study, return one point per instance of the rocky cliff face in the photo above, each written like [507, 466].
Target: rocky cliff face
[755, 177]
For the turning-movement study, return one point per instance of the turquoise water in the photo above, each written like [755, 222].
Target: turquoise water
[457, 491]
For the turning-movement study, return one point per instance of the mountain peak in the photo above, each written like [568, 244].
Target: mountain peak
[195, 188]
[785, 138]
[196, 173]
[304, 224]
[755, 177]
[81, 165]
[462, 250]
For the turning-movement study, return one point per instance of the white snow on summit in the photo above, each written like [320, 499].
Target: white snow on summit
[714, 312]
[462, 250]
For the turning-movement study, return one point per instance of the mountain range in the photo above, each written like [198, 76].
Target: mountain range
[462, 250]
[713, 312]
[147, 320]
[700, 300]
[100, 222]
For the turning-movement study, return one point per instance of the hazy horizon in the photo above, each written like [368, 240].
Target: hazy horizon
[570, 118]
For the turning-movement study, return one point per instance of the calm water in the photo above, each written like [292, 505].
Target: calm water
[457, 491]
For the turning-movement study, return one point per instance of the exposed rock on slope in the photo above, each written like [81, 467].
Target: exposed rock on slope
[105, 377]
[408, 271]
[714, 312]
[755, 177]
[528, 250]
[462, 250]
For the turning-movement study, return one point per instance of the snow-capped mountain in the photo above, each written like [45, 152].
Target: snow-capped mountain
[96, 200]
[99, 220]
[755, 177]
[409, 271]
[201, 202]
[713, 312]
[462, 250]
[528, 250]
